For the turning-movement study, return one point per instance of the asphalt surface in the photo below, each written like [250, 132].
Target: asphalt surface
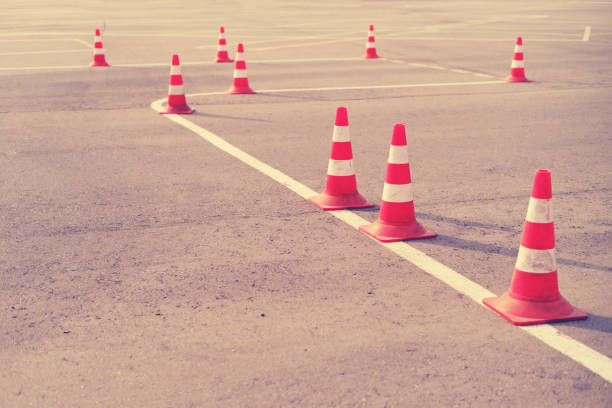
[141, 266]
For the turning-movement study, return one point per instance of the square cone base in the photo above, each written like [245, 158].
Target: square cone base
[340, 202]
[516, 79]
[177, 110]
[526, 312]
[386, 232]
[239, 91]
[99, 64]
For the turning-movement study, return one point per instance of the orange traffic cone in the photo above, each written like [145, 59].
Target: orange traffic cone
[341, 185]
[99, 60]
[371, 45]
[396, 221]
[241, 81]
[222, 47]
[534, 296]
[177, 103]
[517, 69]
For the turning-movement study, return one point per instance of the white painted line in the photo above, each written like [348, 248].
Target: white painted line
[163, 64]
[587, 33]
[310, 43]
[483, 39]
[286, 39]
[43, 52]
[581, 353]
[85, 43]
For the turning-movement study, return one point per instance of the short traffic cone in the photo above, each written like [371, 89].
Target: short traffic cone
[222, 47]
[534, 296]
[341, 185]
[396, 221]
[177, 104]
[241, 81]
[371, 45]
[517, 69]
[99, 60]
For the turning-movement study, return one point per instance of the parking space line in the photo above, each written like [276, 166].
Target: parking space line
[42, 52]
[577, 351]
[85, 43]
[587, 33]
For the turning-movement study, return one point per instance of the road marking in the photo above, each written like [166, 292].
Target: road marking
[587, 33]
[163, 64]
[41, 52]
[284, 39]
[309, 44]
[581, 353]
[85, 43]
[478, 39]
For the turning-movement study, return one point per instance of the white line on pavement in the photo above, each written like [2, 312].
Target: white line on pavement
[42, 52]
[587, 33]
[85, 43]
[581, 353]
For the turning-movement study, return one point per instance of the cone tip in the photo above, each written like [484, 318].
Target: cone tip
[221, 29]
[175, 59]
[371, 27]
[399, 135]
[542, 186]
[341, 116]
[519, 40]
[240, 47]
[97, 31]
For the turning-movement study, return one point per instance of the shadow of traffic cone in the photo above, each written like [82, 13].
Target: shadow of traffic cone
[341, 184]
[396, 221]
[517, 69]
[99, 60]
[177, 103]
[241, 81]
[371, 45]
[534, 296]
[222, 48]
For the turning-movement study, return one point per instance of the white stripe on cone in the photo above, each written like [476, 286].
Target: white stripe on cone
[536, 260]
[341, 134]
[398, 155]
[518, 48]
[539, 210]
[240, 73]
[98, 51]
[175, 70]
[176, 90]
[239, 56]
[397, 193]
[517, 64]
[340, 168]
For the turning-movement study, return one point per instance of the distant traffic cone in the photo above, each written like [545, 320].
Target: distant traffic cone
[396, 221]
[99, 60]
[371, 45]
[222, 47]
[534, 296]
[177, 103]
[341, 185]
[241, 81]
[517, 69]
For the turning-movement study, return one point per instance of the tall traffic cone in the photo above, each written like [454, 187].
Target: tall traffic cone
[371, 45]
[341, 185]
[177, 103]
[241, 81]
[99, 60]
[396, 221]
[222, 48]
[534, 296]
[517, 69]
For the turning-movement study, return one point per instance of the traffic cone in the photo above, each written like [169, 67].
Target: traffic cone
[396, 221]
[534, 296]
[371, 45]
[177, 104]
[98, 52]
[241, 82]
[222, 47]
[341, 184]
[517, 69]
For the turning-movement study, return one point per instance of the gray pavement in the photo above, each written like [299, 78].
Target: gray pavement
[143, 267]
